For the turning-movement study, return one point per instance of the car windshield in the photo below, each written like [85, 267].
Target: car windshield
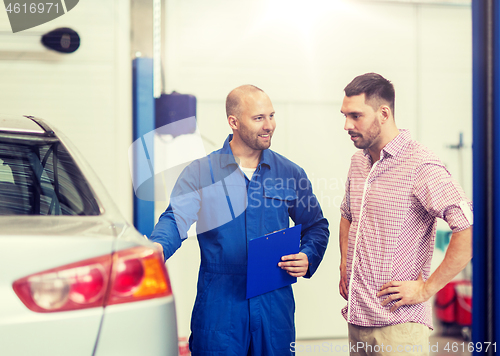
[39, 177]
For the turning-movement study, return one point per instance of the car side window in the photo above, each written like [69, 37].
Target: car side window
[41, 178]
[5, 173]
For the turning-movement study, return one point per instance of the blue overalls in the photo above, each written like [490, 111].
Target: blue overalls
[230, 210]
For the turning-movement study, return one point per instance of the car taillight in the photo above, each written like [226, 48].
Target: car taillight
[136, 274]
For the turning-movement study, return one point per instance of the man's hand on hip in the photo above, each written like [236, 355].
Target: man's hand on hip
[406, 292]
[296, 265]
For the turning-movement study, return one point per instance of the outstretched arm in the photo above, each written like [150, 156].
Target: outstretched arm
[174, 223]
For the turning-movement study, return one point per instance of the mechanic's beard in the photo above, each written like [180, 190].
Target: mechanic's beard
[253, 141]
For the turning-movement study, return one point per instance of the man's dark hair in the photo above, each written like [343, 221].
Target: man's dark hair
[375, 87]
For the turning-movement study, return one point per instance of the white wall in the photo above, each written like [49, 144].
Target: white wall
[86, 94]
[303, 54]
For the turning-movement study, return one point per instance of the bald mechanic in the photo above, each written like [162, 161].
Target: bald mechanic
[235, 194]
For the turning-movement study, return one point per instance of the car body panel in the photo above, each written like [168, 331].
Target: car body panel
[70, 333]
[14, 124]
[140, 324]
[31, 244]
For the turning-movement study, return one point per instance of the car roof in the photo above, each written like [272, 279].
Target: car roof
[24, 124]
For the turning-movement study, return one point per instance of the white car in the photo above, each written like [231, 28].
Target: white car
[75, 277]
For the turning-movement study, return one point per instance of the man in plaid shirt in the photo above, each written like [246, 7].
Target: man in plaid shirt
[396, 188]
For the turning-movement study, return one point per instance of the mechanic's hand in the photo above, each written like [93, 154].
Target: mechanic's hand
[344, 290]
[297, 264]
[407, 292]
[159, 247]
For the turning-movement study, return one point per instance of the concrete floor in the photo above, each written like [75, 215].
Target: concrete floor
[445, 340]
[439, 346]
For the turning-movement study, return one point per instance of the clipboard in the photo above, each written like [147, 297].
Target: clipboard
[264, 253]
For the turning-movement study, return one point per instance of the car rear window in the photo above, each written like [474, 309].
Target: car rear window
[39, 177]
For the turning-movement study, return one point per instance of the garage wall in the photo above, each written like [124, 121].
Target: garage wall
[86, 94]
[303, 56]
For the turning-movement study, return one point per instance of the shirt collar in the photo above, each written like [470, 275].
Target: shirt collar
[395, 146]
[227, 157]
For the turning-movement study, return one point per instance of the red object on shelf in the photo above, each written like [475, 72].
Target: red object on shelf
[445, 303]
[453, 303]
[463, 308]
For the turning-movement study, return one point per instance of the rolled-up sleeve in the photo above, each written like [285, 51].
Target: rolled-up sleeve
[442, 196]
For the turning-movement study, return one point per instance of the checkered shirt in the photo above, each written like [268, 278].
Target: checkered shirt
[392, 207]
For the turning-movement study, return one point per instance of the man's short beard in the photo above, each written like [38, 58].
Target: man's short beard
[371, 135]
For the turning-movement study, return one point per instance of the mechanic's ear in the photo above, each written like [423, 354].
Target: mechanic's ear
[233, 122]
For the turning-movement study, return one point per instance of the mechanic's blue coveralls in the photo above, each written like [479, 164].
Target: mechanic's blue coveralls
[230, 210]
